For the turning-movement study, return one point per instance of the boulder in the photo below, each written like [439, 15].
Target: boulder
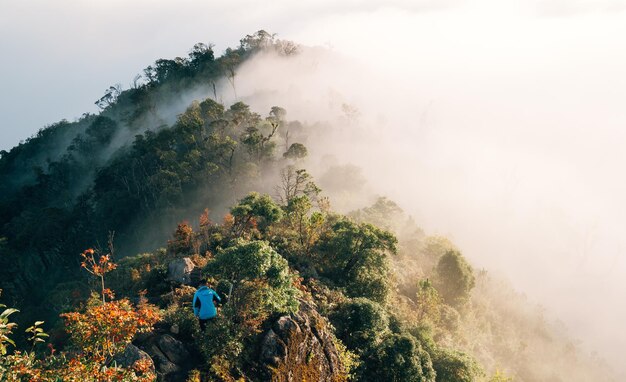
[272, 348]
[131, 355]
[301, 347]
[173, 349]
[163, 364]
[179, 270]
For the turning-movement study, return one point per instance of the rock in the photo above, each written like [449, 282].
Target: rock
[163, 364]
[131, 355]
[174, 329]
[179, 270]
[285, 326]
[173, 349]
[272, 348]
[301, 347]
[168, 368]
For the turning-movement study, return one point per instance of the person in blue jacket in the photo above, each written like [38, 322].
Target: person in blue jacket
[204, 303]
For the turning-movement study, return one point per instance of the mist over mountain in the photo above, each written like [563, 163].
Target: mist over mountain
[337, 176]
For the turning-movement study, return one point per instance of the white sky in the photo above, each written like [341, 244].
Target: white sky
[522, 103]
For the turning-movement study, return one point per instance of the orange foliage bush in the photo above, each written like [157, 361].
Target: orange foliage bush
[98, 334]
[183, 239]
[105, 330]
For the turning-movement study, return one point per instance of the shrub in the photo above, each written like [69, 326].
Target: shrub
[454, 279]
[455, 366]
[104, 330]
[360, 323]
[398, 358]
[183, 317]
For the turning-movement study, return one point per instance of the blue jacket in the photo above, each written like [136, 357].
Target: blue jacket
[203, 306]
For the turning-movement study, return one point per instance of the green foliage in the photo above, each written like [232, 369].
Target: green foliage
[455, 366]
[255, 211]
[454, 279]
[221, 345]
[146, 271]
[427, 300]
[360, 323]
[36, 333]
[296, 151]
[398, 358]
[6, 328]
[434, 247]
[300, 229]
[423, 334]
[450, 318]
[370, 280]
[384, 213]
[183, 318]
[355, 256]
[257, 262]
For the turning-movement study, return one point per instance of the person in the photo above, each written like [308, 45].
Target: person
[204, 303]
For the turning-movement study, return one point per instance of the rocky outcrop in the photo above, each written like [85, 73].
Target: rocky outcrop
[171, 358]
[180, 270]
[131, 355]
[300, 347]
[173, 349]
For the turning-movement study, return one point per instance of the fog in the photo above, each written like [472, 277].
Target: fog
[505, 137]
[498, 124]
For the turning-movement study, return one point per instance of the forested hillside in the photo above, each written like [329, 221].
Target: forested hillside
[167, 185]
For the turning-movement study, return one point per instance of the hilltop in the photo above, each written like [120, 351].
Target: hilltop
[167, 185]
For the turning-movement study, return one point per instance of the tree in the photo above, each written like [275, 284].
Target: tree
[98, 267]
[102, 130]
[428, 302]
[109, 97]
[296, 182]
[454, 279]
[255, 211]
[200, 55]
[255, 267]
[296, 151]
[355, 255]
[229, 63]
[304, 224]
[398, 358]
[103, 331]
[211, 110]
[257, 41]
[182, 242]
[240, 115]
[455, 366]
[360, 323]
[383, 213]
[257, 136]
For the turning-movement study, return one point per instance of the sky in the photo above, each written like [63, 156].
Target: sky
[511, 114]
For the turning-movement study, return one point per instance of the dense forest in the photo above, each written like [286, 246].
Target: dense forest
[108, 223]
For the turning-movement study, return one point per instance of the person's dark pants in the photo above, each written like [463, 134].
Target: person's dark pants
[203, 323]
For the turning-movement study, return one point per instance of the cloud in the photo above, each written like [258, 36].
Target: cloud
[501, 130]
[567, 8]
